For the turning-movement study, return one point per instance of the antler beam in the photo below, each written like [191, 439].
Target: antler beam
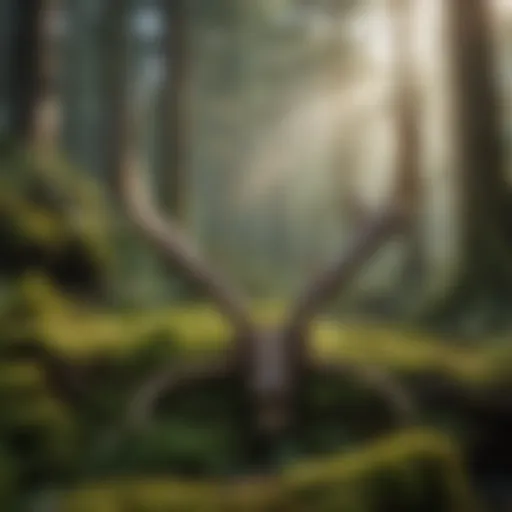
[324, 286]
[171, 242]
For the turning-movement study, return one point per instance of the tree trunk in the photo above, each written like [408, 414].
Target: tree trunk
[25, 80]
[484, 287]
[478, 139]
[171, 147]
[405, 297]
[33, 105]
[408, 180]
[115, 77]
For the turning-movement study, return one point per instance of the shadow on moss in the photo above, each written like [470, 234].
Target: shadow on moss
[416, 470]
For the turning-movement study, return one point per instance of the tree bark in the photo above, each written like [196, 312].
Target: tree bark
[478, 138]
[33, 72]
[408, 180]
[115, 88]
[172, 150]
[484, 286]
[25, 79]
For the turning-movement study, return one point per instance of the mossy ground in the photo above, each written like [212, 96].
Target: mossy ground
[417, 470]
[201, 436]
[53, 219]
[64, 326]
[50, 220]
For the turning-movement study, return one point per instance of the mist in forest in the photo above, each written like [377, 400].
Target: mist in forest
[255, 255]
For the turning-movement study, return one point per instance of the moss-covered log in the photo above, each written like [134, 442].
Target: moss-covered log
[416, 470]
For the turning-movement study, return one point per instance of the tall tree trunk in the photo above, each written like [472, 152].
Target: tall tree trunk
[86, 111]
[348, 166]
[171, 146]
[478, 140]
[484, 288]
[7, 8]
[407, 295]
[46, 121]
[115, 76]
[408, 180]
[33, 88]
[25, 83]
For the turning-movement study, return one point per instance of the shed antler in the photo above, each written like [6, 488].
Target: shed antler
[166, 237]
[171, 242]
[270, 365]
[332, 279]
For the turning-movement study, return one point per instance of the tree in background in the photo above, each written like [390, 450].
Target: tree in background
[34, 72]
[483, 289]
[25, 73]
[114, 78]
[172, 150]
[408, 153]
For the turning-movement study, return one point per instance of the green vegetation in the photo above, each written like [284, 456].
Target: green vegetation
[48, 439]
[54, 220]
[200, 431]
[64, 326]
[417, 470]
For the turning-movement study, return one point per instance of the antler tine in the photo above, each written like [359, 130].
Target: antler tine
[167, 237]
[329, 281]
[172, 243]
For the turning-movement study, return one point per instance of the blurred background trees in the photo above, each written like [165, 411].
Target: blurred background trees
[278, 118]
[271, 130]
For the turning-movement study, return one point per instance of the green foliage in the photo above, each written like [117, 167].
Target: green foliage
[52, 219]
[37, 429]
[45, 210]
[68, 328]
[197, 434]
[416, 470]
[8, 477]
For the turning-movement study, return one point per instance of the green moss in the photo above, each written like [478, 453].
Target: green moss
[52, 218]
[46, 423]
[38, 425]
[178, 445]
[20, 376]
[8, 477]
[64, 326]
[410, 471]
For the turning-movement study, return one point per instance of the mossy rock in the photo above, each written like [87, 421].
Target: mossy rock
[53, 218]
[415, 470]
